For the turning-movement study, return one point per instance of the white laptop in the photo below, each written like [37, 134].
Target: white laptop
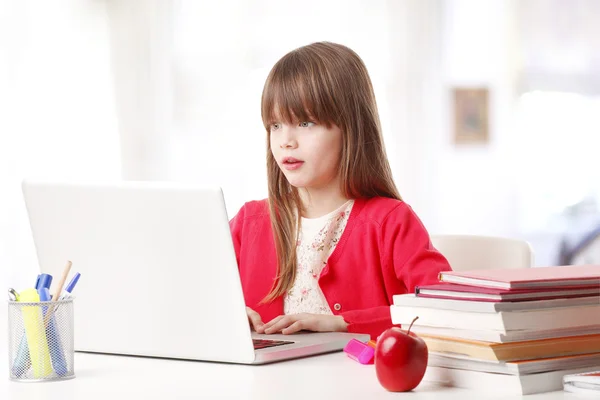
[159, 276]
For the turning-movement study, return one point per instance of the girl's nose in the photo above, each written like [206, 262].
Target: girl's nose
[288, 139]
[288, 144]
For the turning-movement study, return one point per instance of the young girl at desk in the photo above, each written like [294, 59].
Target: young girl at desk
[334, 241]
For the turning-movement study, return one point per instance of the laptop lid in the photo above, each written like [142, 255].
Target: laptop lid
[159, 275]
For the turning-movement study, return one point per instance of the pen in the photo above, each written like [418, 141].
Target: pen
[61, 283]
[57, 355]
[59, 289]
[43, 281]
[22, 361]
[67, 293]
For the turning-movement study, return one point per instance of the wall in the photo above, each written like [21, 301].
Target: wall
[476, 191]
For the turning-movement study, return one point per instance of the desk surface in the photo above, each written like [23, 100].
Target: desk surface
[330, 376]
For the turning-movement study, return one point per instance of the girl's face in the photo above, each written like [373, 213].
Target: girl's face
[307, 153]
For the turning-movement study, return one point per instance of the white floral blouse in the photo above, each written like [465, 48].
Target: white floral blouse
[317, 241]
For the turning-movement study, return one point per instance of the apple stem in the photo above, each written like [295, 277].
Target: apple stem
[411, 324]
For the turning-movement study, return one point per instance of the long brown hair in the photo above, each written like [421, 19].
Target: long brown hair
[327, 83]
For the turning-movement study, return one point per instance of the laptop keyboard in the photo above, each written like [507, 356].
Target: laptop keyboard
[266, 343]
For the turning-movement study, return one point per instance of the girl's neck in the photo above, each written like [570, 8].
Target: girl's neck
[322, 201]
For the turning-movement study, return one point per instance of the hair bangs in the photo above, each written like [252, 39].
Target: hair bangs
[293, 94]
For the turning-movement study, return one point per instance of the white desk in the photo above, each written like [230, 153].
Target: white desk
[331, 376]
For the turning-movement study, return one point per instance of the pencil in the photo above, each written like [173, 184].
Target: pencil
[59, 289]
[62, 281]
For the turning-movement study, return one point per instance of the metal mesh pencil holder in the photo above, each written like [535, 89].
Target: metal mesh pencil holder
[40, 341]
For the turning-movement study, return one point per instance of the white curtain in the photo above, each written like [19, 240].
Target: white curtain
[140, 43]
[57, 116]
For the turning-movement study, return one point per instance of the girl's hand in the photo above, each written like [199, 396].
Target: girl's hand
[287, 324]
[255, 320]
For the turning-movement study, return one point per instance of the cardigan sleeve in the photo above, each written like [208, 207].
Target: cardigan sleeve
[371, 320]
[408, 256]
[409, 251]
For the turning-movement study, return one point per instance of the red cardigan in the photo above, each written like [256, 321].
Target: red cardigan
[384, 250]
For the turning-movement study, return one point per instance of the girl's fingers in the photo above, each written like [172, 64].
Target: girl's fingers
[257, 323]
[295, 327]
[282, 323]
[255, 320]
[273, 321]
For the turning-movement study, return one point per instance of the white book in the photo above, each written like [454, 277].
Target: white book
[501, 384]
[554, 318]
[505, 337]
[583, 383]
[458, 361]
[411, 300]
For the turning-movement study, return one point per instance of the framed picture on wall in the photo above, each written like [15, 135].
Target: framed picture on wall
[471, 124]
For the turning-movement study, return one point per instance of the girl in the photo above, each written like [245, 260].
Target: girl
[334, 241]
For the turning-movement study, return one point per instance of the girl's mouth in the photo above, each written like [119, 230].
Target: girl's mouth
[291, 163]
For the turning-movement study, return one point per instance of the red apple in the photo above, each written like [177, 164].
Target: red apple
[400, 359]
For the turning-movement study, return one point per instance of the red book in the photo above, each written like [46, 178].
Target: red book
[475, 293]
[527, 278]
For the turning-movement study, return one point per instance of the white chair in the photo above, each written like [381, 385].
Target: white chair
[466, 252]
[588, 254]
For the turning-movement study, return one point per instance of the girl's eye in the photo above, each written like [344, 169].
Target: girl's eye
[274, 127]
[306, 124]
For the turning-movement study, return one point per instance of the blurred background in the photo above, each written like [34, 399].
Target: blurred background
[490, 108]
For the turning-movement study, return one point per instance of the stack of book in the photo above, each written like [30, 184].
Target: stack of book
[512, 331]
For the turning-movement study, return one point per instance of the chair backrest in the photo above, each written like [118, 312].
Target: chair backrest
[588, 254]
[466, 252]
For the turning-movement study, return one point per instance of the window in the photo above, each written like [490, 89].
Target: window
[559, 142]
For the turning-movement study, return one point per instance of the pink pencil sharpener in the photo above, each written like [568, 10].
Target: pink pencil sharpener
[359, 351]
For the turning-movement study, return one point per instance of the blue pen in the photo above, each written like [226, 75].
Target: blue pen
[67, 292]
[22, 362]
[43, 281]
[57, 354]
